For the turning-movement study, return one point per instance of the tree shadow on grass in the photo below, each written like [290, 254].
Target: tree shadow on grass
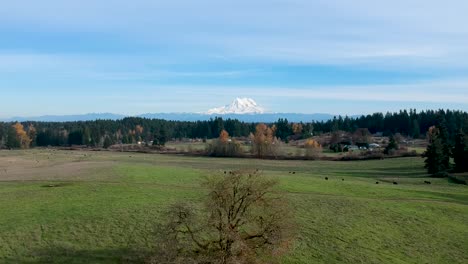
[72, 256]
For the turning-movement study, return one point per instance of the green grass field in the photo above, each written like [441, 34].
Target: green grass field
[102, 207]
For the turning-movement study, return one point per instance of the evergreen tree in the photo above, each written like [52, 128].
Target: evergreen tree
[156, 138]
[445, 141]
[75, 138]
[12, 140]
[107, 142]
[43, 138]
[437, 161]
[163, 136]
[86, 136]
[126, 139]
[283, 129]
[392, 146]
[217, 126]
[160, 137]
[416, 133]
[460, 153]
[2, 134]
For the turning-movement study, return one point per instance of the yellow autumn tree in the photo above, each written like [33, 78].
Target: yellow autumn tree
[313, 149]
[139, 129]
[32, 134]
[297, 128]
[264, 144]
[21, 136]
[139, 132]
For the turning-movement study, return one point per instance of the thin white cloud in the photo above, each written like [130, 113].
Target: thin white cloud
[302, 31]
[442, 91]
[102, 67]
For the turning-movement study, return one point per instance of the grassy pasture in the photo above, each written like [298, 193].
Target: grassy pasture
[102, 207]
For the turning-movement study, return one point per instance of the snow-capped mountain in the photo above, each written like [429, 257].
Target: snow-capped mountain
[242, 109]
[238, 106]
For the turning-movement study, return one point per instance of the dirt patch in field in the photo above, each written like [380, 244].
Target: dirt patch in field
[25, 169]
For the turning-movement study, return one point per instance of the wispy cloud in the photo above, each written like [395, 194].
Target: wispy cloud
[291, 31]
[444, 91]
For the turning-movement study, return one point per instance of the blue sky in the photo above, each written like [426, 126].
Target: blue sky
[131, 57]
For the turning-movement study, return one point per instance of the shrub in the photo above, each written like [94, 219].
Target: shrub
[367, 155]
[224, 147]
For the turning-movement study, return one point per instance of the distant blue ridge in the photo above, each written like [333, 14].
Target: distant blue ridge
[265, 117]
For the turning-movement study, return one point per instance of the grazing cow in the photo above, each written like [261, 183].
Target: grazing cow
[427, 182]
[376, 182]
[294, 172]
[224, 172]
[395, 183]
[326, 178]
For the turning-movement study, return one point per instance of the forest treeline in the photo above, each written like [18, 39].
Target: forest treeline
[130, 130]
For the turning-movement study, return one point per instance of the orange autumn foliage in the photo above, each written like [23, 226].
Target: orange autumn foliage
[22, 136]
[263, 141]
[224, 136]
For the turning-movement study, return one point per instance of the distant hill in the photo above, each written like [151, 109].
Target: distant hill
[262, 117]
[265, 117]
[243, 109]
[67, 118]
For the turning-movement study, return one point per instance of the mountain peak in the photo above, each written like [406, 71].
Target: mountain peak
[238, 106]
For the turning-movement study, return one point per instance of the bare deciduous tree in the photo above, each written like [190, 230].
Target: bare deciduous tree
[241, 221]
[362, 136]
